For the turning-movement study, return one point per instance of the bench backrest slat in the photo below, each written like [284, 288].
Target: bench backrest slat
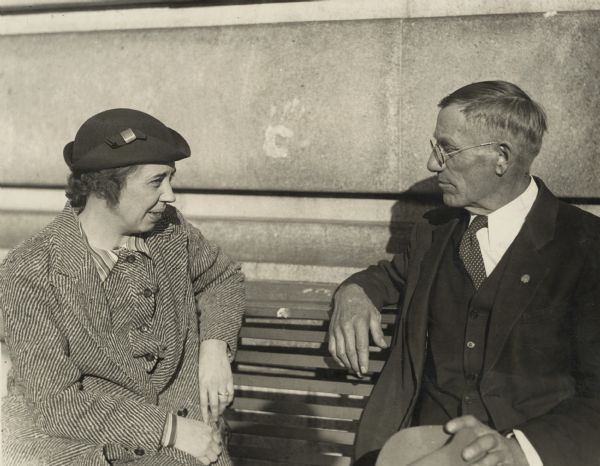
[294, 404]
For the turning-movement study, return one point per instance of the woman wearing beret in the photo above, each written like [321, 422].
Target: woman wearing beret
[121, 318]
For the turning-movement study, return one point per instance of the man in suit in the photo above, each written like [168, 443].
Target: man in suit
[500, 325]
[121, 318]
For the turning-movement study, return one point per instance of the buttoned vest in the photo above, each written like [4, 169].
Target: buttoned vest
[456, 340]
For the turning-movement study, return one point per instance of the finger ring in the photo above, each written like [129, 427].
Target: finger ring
[222, 394]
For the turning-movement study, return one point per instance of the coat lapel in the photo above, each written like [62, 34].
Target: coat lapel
[526, 269]
[417, 309]
[74, 276]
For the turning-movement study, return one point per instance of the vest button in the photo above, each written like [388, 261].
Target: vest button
[470, 344]
[467, 399]
[473, 314]
[139, 451]
[147, 292]
[183, 412]
[130, 259]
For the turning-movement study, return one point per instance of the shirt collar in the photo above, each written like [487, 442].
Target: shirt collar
[505, 223]
[105, 259]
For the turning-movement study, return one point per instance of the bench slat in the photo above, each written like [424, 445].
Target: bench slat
[302, 384]
[290, 359]
[238, 461]
[290, 456]
[316, 336]
[291, 420]
[330, 440]
[286, 310]
[297, 408]
[290, 291]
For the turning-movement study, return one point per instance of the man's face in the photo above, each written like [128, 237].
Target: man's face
[142, 201]
[468, 179]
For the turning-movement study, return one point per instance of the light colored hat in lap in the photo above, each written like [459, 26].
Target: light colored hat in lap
[425, 446]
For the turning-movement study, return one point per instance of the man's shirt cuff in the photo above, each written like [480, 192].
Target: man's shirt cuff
[533, 459]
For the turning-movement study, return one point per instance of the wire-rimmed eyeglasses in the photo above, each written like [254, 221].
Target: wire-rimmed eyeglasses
[441, 156]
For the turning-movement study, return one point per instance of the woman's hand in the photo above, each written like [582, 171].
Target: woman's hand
[216, 380]
[198, 439]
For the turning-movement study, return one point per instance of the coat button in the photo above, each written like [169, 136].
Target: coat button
[149, 357]
[470, 344]
[139, 451]
[144, 328]
[80, 387]
[183, 412]
[147, 292]
[130, 259]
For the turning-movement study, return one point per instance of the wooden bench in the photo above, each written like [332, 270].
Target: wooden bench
[294, 404]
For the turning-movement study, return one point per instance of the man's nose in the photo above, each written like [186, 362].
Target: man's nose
[167, 194]
[432, 164]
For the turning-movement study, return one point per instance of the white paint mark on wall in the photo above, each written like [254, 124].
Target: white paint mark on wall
[283, 313]
[279, 134]
[550, 14]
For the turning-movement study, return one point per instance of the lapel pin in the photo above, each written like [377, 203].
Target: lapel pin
[525, 278]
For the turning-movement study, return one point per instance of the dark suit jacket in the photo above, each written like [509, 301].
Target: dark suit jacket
[81, 398]
[542, 362]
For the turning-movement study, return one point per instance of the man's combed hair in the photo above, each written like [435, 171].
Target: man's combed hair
[503, 107]
[106, 184]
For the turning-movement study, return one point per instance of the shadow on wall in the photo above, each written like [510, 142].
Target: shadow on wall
[421, 197]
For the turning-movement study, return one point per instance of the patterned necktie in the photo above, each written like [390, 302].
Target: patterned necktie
[470, 253]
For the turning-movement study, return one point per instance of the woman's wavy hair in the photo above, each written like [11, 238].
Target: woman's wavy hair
[106, 184]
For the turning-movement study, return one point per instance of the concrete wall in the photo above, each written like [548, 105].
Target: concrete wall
[322, 106]
[298, 108]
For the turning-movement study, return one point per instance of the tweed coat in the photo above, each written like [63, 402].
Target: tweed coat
[541, 371]
[82, 398]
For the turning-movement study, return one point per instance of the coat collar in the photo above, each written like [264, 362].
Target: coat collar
[74, 276]
[70, 253]
[515, 292]
[525, 270]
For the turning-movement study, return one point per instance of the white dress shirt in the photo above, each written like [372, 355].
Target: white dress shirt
[503, 226]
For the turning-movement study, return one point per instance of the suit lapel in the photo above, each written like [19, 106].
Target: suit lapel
[417, 309]
[526, 269]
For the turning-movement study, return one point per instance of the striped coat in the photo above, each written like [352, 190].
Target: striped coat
[83, 398]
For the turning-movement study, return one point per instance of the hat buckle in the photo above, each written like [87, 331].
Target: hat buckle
[127, 136]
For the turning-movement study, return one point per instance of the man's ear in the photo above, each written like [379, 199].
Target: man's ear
[504, 158]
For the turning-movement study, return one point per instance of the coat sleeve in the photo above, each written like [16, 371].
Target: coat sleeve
[568, 434]
[218, 285]
[51, 381]
[384, 283]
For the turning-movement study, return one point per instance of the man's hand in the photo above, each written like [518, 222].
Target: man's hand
[216, 380]
[353, 316]
[490, 448]
[198, 439]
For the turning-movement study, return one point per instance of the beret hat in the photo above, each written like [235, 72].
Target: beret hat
[121, 137]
